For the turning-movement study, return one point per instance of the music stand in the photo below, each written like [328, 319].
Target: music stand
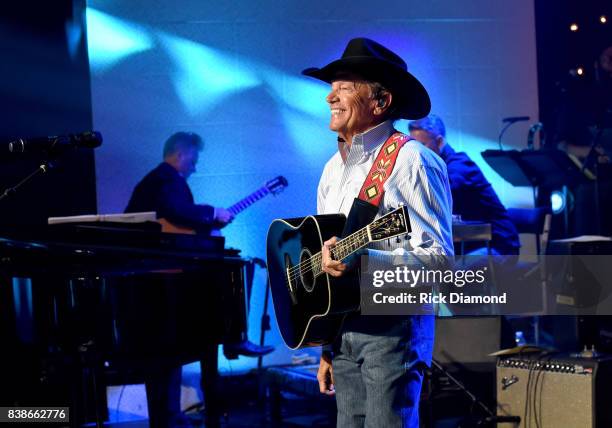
[534, 168]
[507, 163]
[551, 167]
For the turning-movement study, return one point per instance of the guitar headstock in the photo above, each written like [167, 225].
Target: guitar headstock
[276, 185]
[390, 225]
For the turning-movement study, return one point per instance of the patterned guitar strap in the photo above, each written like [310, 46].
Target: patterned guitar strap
[365, 205]
[373, 190]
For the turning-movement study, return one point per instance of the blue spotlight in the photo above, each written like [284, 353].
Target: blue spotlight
[110, 39]
[298, 93]
[318, 144]
[203, 75]
[558, 201]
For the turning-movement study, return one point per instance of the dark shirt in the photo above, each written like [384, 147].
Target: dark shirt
[475, 200]
[165, 191]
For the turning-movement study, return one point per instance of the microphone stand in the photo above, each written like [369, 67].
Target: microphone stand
[43, 168]
[89, 140]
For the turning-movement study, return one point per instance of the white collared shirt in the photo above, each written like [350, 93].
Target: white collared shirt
[419, 181]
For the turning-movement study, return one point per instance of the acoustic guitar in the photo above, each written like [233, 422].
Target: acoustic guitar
[310, 305]
[272, 187]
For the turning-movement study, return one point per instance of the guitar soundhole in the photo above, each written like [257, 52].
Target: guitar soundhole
[306, 272]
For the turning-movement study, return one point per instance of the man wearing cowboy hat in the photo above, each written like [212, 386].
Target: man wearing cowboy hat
[376, 366]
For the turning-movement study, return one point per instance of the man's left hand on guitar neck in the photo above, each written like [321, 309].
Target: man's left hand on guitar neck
[333, 267]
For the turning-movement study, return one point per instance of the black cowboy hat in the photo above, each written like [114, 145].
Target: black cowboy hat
[376, 63]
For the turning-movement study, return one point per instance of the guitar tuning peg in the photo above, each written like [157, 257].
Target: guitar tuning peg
[407, 237]
[398, 240]
[388, 242]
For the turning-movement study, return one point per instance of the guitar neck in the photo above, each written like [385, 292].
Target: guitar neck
[343, 248]
[244, 203]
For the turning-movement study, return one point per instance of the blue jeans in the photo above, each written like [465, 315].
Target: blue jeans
[378, 370]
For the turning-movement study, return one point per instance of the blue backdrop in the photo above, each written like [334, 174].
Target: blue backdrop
[230, 71]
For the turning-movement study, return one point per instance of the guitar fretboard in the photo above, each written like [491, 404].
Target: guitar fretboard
[342, 249]
[248, 201]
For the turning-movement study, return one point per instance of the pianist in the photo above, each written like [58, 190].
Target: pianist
[165, 191]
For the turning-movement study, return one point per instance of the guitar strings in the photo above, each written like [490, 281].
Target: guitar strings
[336, 252]
[273, 186]
[314, 262]
[355, 237]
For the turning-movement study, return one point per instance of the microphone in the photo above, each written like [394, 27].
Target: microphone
[513, 119]
[536, 127]
[56, 144]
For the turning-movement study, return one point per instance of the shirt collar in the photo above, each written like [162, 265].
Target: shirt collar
[369, 140]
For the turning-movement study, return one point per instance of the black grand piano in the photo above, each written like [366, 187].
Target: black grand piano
[83, 306]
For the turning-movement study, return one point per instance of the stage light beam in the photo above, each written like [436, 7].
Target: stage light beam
[110, 39]
[204, 76]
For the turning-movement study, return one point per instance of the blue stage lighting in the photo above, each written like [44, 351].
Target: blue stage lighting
[110, 39]
[557, 201]
[203, 76]
[299, 93]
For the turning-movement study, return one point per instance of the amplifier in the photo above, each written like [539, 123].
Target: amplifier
[555, 391]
